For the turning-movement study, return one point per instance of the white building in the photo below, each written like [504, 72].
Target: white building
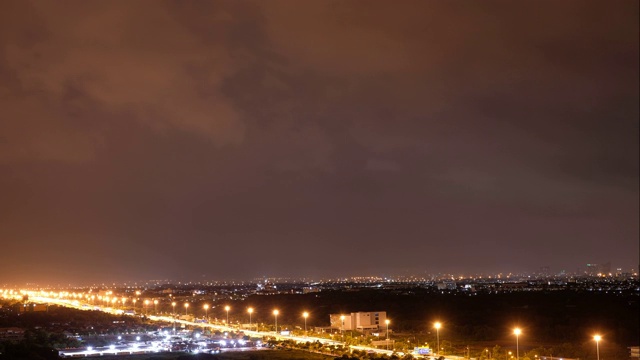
[360, 321]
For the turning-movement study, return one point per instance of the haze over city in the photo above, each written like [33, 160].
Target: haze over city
[195, 140]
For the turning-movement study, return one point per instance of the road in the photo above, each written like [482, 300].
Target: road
[76, 304]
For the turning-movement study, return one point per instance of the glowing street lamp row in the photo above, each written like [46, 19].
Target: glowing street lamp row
[110, 299]
[63, 295]
[517, 332]
[250, 311]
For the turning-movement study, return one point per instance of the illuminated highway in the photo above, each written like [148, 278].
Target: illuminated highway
[37, 297]
[76, 304]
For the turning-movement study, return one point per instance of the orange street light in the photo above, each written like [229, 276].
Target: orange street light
[597, 338]
[437, 325]
[305, 315]
[275, 314]
[517, 332]
[387, 321]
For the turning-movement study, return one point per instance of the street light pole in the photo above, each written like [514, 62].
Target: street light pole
[250, 311]
[517, 332]
[227, 308]
[597, 338]
[305, 315]
[275, 314]
[387, 321]
[437, 325]
[173, 315]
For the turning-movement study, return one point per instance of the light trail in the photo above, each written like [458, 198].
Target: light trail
[78, 303]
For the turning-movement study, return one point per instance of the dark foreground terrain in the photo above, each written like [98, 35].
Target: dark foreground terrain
[561, 323]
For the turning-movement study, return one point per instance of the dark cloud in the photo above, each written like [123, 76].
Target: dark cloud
[132, 60]
[240, 139]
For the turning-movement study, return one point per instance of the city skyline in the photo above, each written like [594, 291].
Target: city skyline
[235, 140]
[598, 272]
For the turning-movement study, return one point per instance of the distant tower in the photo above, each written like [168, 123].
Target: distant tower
[592, 269]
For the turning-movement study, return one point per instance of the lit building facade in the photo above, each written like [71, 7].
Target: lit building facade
[360, 321]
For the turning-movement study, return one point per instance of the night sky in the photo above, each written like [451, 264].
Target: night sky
[202, 140]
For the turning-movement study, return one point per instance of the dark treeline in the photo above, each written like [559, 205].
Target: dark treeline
[46, 331]
[545, 317]
[36, 345]
[59, 318]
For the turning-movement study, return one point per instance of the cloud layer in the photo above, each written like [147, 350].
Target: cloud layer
[177, 138]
